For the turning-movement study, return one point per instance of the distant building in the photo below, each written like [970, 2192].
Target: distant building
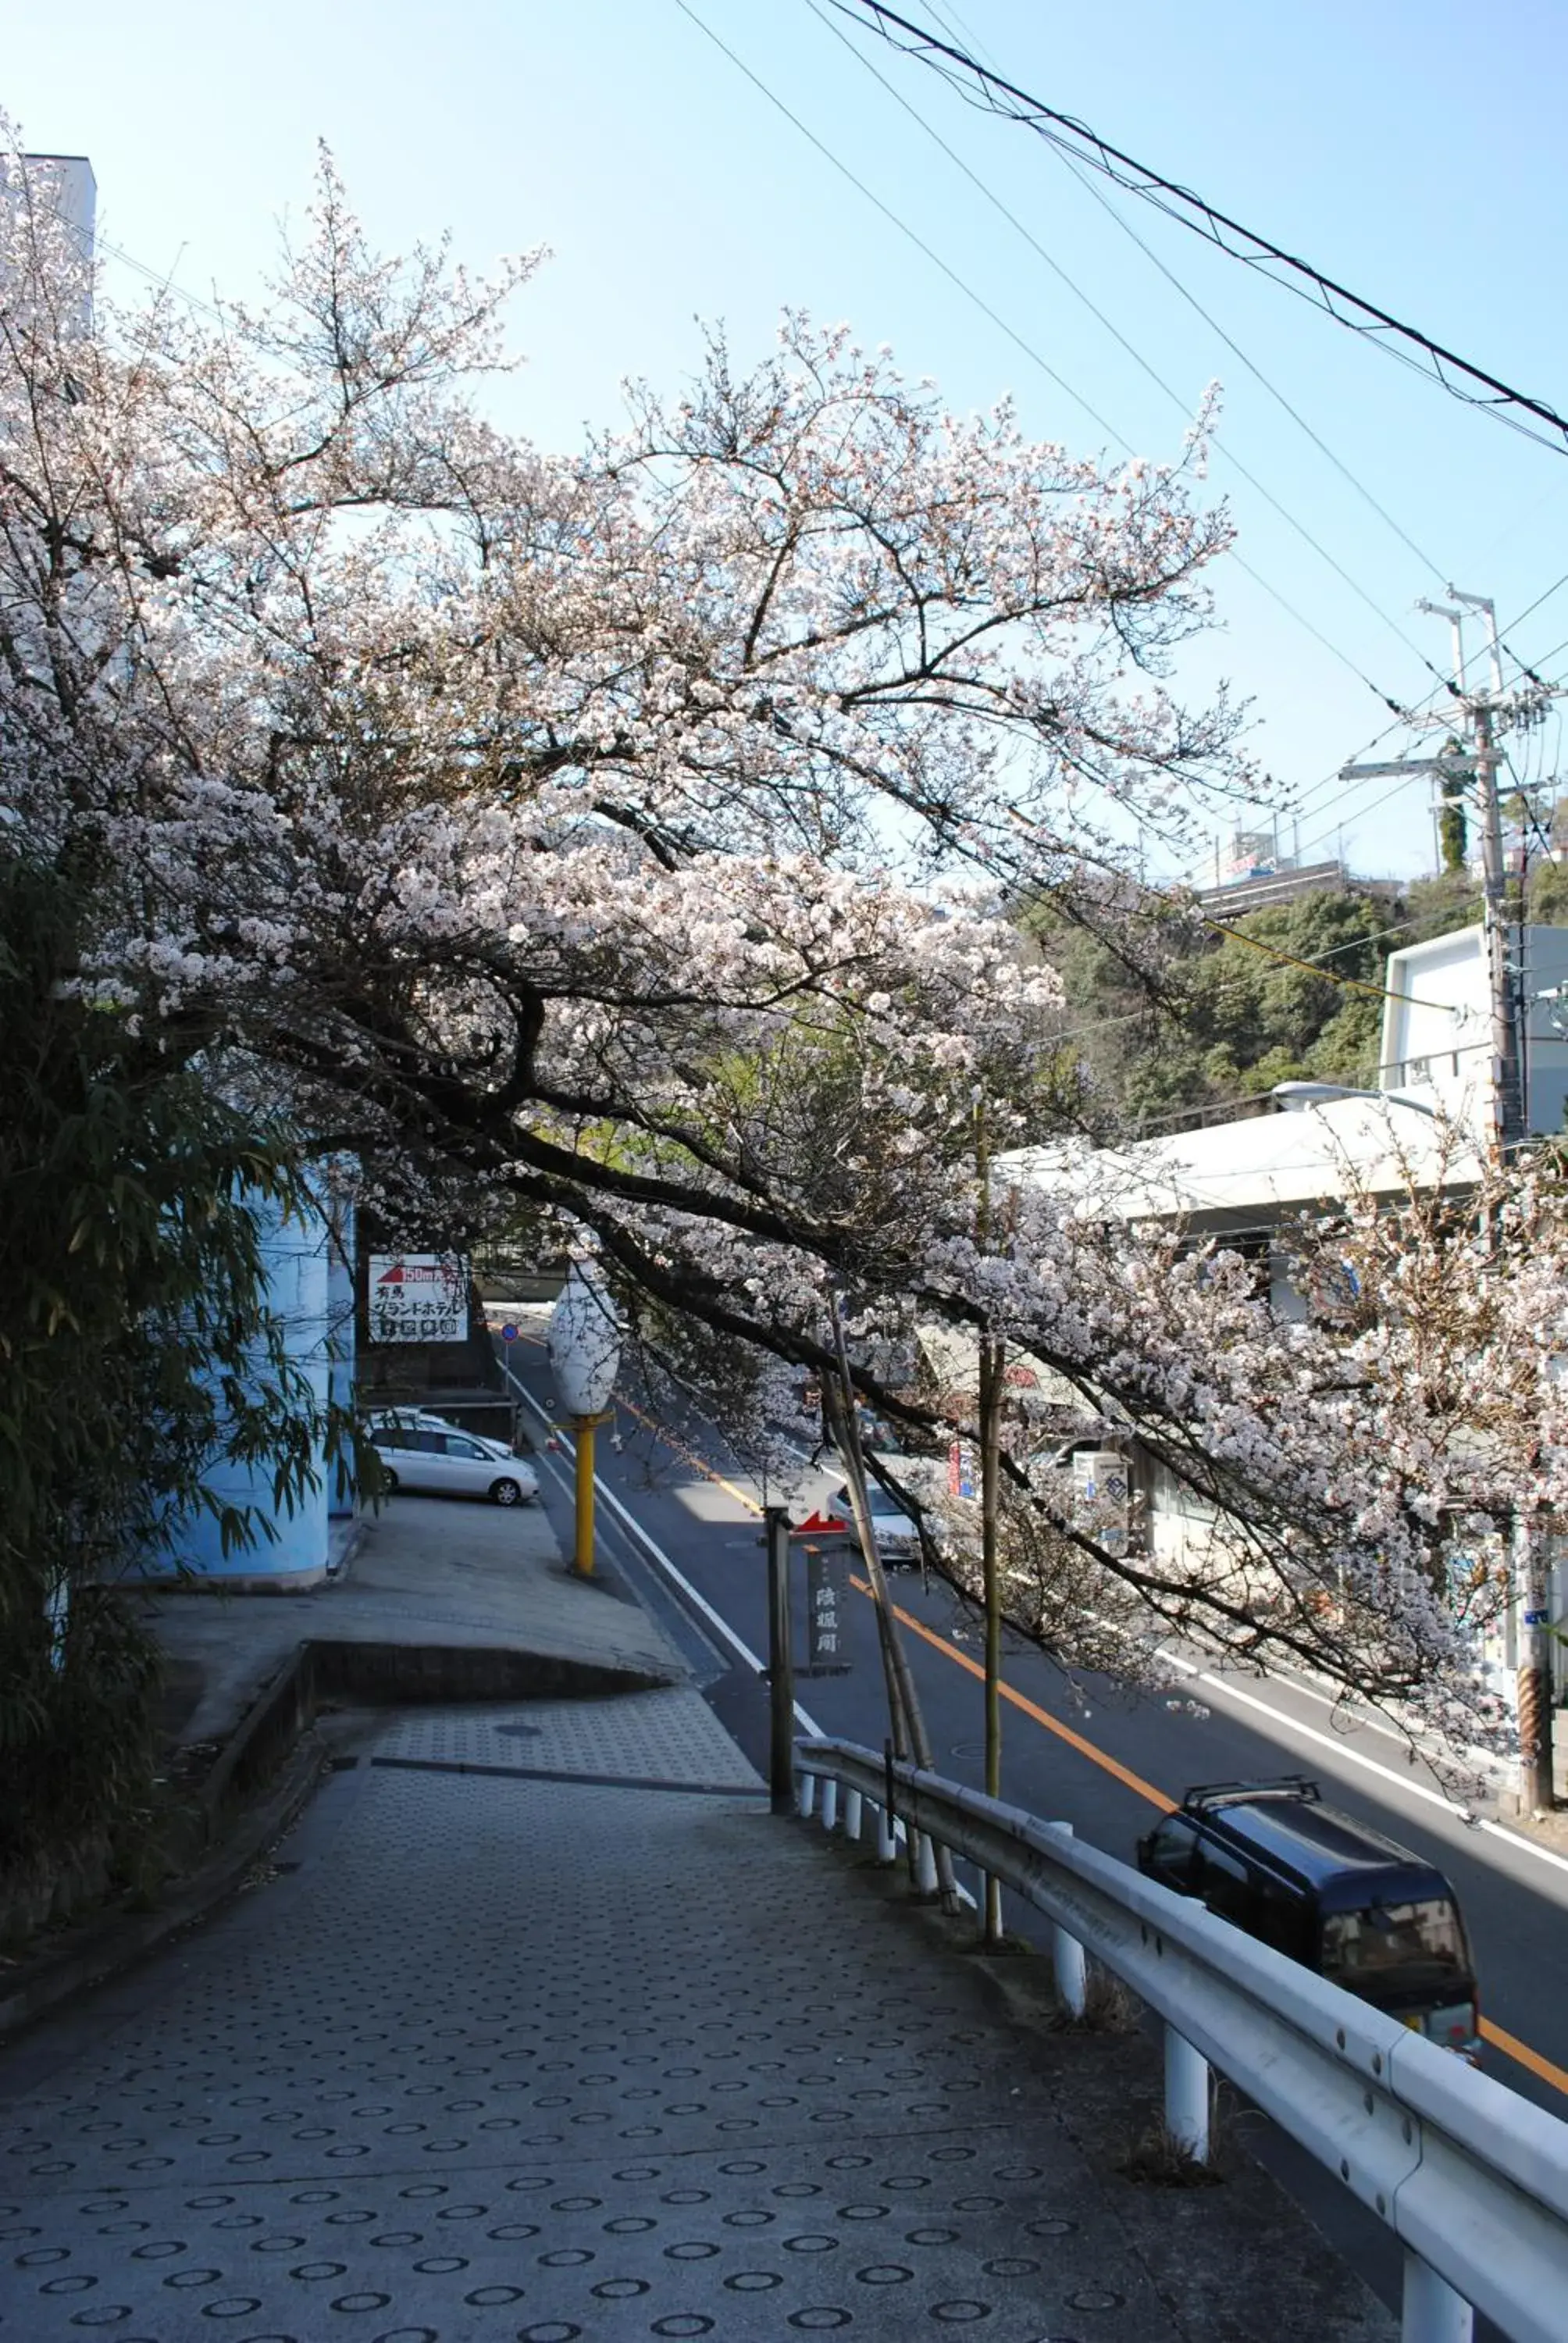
[1254, 874]
[1437, 1025]
[67, 183]
[63, 193]
[1240, 1182]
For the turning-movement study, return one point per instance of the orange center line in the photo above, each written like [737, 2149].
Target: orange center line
[1030, 1708]
[1542, 2068]
[687, 1455]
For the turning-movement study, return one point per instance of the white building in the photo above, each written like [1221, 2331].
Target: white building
[1437, 1026]
[1430, 1123]
[60, 195]
[67, 183]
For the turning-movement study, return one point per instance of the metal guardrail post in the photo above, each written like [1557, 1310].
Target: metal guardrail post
[1186, 2094]
[807, 1797]
[1471, 2179]
[1071, 1970]
[925, 1864]
[1068, 1959]
[1431, 2312]
[829, 1803]
[852, 1815]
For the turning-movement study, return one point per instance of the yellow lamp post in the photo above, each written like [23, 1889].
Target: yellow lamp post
[585, 1356]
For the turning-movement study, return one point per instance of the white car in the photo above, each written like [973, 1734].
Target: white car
[425, 1453]
[898, 1539]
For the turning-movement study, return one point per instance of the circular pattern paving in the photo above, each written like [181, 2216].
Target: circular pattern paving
[344, 2114]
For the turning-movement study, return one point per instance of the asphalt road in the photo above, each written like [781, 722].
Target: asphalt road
[1089, 1753]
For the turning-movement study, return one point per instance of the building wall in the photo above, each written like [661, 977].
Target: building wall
[62, 198]
[341, 1320]
[297, 1253]
[1437, 1024]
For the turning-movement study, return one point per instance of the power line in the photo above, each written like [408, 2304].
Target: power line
[1140, 360]
[895, 220]
[1253, 368]
[91, 244]
[993, 95]
[1311, 962]
[1348, 788]
[1330, 975]
[950, 19]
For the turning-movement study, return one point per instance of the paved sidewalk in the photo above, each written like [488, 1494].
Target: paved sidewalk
[586, 2044]
[426, 1571]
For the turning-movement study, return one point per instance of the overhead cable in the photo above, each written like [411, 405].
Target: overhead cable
[1462, 377]
[950, 21]
[895, 220]
[1140, 360]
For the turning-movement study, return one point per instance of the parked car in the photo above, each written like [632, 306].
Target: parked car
[426, 1454]
[897, 1535]
[1333, 1894]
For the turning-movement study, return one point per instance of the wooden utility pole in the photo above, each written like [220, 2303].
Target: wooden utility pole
[992, 1387]
[989, 1399]
[907, 1721]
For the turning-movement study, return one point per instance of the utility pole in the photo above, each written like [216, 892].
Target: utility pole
[1484, 709]
[1507, 1090]
[1487, 716]
[905, 1717]
[989, 1399]
[1537, 1770]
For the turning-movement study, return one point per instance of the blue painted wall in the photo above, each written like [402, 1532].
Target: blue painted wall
[340, 1333]
[300, 1253]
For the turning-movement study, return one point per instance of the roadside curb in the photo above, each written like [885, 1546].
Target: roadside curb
[275, 1742]
[102, 1947]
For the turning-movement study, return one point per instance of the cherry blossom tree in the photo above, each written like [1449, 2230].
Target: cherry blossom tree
[627, 838]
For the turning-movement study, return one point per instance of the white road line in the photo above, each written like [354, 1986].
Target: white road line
[803, 1718]
[1485, 1760]
[1368, 1765]
[677, 1577]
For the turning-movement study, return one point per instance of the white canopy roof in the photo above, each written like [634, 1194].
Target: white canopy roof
[1267, 1165]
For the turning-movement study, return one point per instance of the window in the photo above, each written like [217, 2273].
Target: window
[1388, 1939]
[1282, 1919]
[1170, 1845]
[455, 1446]
[1226, 1884]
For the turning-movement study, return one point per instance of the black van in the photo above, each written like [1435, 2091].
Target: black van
[1272, 1858]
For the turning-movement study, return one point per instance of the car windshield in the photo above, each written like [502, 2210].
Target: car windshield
[1428, 1935]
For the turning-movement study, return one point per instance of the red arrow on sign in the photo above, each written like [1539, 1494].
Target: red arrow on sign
[818, 1524]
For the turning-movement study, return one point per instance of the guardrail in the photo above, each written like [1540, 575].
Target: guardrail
[1471, 2179]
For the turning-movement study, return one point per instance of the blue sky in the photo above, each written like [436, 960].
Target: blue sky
[1411, 147]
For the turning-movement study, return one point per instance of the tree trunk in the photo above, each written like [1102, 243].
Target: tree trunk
[903, 1701]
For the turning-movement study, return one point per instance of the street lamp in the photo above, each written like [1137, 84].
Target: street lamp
[1295, 1095]
[585, 1357]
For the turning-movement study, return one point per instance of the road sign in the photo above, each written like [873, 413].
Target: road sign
[508, 1333]
[1536, 1618]
[817, 1523]
[418, 1297]
[824, 1613]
